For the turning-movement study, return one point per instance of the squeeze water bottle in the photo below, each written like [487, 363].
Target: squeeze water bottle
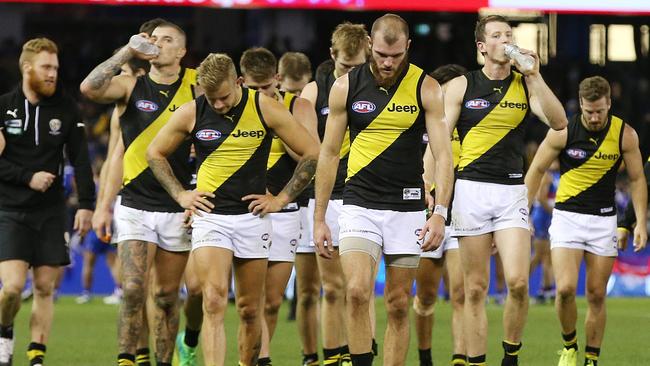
[142, 45]
[526, 62]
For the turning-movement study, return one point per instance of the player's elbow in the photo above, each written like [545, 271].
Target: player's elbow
[87, 91]
[559, 123]
[153, 153]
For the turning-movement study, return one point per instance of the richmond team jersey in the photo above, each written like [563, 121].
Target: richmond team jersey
[281, 165]
[324, 84]
[491, 129]
[386, 127]
[147, 111]
[588, 166]
[232, 152]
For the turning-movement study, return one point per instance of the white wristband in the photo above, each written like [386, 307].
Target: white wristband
[441, 211]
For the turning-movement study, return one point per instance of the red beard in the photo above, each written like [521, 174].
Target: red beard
[387, 82]
[41, 87]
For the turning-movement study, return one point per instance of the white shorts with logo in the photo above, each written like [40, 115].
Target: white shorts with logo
[480, 208]
[331, 219]
[164, 229]
[303, 242]
[246, 235]
[448, 243]
[395, 231]
[591, 233]
[286, 233]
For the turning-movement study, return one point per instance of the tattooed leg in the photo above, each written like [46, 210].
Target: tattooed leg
[135, 261]
[250, 275]
[168, 270]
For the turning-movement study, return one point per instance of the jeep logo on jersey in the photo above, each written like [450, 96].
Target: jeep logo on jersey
[602, 156]
[146, 105]
[506, 104]
[257, 134]
[363, 106]
[576, 153]
[208, 135]
[477, 103]
[402, 108]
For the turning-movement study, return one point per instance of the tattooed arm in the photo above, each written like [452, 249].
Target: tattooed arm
[168, 139]
[300, 141]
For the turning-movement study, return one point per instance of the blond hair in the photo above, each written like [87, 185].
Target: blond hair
[295, 66]
[350, 39]
[214, 70]
[35, 46]
[593, 88]
[258, 63]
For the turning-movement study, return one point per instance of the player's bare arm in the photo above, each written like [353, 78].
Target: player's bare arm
[328, 162]
[543, 103]
[299, 140]
[168, 139]
[305, 114]
[548, 151]
[453, 100]
[440, 146]
[638, 185]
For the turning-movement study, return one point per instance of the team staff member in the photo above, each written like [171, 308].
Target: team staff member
[387, 104]
[590, 150]
[349, 48]
[488, 107]
[433, 264]
[39, 124]
[149, 221]
[259, 72]
[231, 128]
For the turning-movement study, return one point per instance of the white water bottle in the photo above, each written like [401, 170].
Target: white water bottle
[526, 62]
[142, 45]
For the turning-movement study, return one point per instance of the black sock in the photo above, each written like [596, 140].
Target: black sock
[363, 359]
[7, 331]
[310, 358]
[476, 361]
[142, 357]
[510, 353]
[263, 361]
[591, 354]
[458, 359]
[158, 363]
[191, 337]
[425, 357]
[375, 347]
[344, 351]
[330, 354]
[570, 340]
[125, 357]
[36, 353]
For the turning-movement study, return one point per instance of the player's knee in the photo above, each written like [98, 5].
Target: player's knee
[518, 287]
[215, 299]
[165, 298]
[248, 311]
[307, 299]
[357, 295]
[426, 298]
[43, 289]
[421, 308]
[272, 305]
[476, 292]
[133, 294]
[457, 296]
[11, 292]
[397, 305]
[566, 293]
[333, 293]
[596, 297]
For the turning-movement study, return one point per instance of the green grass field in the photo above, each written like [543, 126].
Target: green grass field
[86, 335]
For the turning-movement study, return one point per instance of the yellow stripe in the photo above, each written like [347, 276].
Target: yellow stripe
[387, 126]
[495, 125]
[135, 159]
[345, 146]
[233, 152]
[579, 179]
[277, 146]
[455, 147]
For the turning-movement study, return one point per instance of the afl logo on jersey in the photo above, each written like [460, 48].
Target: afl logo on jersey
[325, 111]
[477, 104]
[576, 153]
[208, 135]
[146, 106]
[363, 106]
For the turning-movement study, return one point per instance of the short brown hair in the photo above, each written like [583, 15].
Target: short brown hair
[259, 63]
[151, 24]
[350, 39]
[214, 70]
[294, 65]
[35, 46]
[447, 72]
[479, 31]
[392, 26]
[593, 88]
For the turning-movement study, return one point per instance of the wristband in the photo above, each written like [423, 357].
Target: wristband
[441, 211]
